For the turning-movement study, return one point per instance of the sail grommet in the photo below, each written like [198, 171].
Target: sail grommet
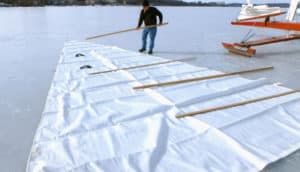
[79, 55]
[86, 67]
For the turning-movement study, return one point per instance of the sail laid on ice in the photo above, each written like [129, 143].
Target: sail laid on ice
[99, 123]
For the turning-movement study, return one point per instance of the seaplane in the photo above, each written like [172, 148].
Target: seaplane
[259, 16]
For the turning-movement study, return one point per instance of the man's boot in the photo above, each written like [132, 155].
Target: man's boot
[142, 50]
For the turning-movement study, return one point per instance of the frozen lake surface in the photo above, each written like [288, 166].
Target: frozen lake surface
[31, 40]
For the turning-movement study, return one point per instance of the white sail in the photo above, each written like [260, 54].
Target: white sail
[292, 10]
[99, 123]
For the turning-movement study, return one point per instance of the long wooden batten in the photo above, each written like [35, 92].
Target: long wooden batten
[236, 104]
[142, 66]
[202, 78]
[123, 31]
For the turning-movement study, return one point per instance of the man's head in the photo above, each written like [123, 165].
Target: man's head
[146, 4]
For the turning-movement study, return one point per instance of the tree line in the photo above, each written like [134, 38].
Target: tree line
[105, 2]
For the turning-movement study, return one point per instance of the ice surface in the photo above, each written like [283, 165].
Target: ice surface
[31, 40]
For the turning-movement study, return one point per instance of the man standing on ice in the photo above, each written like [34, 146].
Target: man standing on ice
[148, 16]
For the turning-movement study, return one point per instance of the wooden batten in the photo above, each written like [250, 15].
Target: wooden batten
[235, 104]
[123, 31]
[202, 78]
[141, 66]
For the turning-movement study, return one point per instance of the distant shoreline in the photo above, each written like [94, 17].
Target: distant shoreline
[283, 5]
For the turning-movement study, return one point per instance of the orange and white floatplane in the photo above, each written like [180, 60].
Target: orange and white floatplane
[252, 15]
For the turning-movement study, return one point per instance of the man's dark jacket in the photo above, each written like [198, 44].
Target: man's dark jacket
[149, 17]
